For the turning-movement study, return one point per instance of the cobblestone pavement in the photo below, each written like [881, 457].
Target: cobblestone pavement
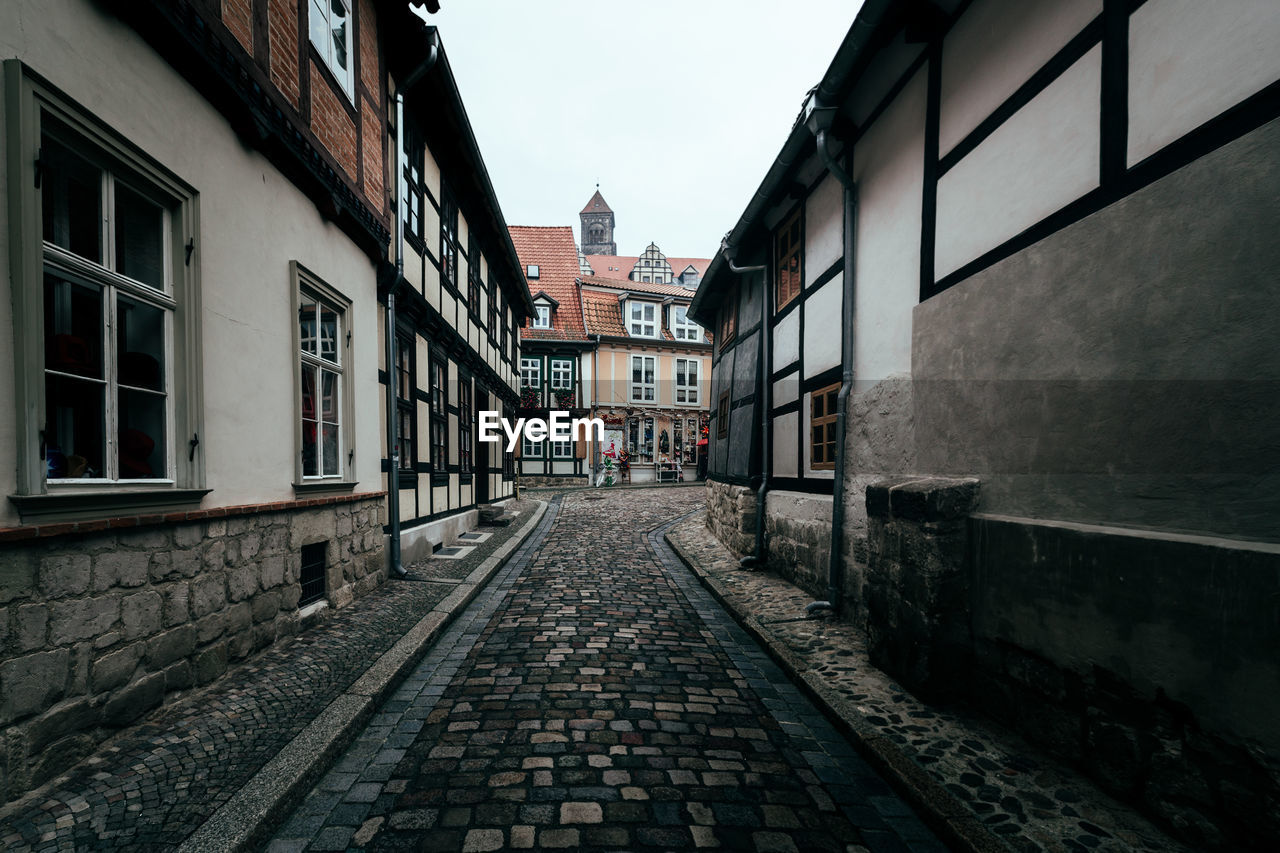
[1027, 799]
[152, 786]
[596, 697]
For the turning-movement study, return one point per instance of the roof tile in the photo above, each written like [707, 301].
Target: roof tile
[553, 250]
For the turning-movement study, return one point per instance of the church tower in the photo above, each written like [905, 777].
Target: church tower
[597, 227]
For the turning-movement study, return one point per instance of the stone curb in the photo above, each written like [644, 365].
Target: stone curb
[939, 808]
[244, 821]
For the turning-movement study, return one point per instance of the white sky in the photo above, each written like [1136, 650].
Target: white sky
[676, 108]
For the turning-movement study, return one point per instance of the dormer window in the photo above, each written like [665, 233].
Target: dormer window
[542, 317]
[532, 271]
[682, 327]
[644, 322]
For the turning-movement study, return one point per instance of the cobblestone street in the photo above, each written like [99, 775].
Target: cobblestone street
[594, 696]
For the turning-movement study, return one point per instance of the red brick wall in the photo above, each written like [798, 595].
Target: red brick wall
[282, 34]
[331, 123]
[369, 49]
[237, 15]
[373, 142]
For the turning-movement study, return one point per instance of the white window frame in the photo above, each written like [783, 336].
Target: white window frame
[644, 392]
[542, 317]
[31, 109]
[530, 367]
[687, 391]
[531, 449]
[561, 374]
[683, 328]
[562, 448]
[643, 326]
[325, 46]
[315, 288]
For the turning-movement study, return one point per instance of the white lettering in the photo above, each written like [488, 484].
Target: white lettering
[513, 433]
[595, 425]
[560, 426]
[489, 422]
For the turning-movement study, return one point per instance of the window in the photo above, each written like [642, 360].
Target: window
[692, 436]
[312, 575]
[502, 325]
[411, 183]
[530, 373]
[405, 431]
[640, 439]
[728, 318]
[448, 240]
[542, 319]
[439, 414]
[465, 415]
[687, 380]
[532, 449]
[822, 427]
[561, 373]
[322, 373]
[722, 416]
[473, 277]
[331, 35]
[643, 319]
[643, 387]
[492, 324]
[531, 271]
[682, 327]
[562, 448]
[787, 244]
[677, 440]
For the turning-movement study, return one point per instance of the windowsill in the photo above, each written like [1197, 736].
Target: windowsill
[61, 505]
[317, 487]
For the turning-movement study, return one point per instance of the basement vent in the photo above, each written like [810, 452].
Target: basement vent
[312, 573]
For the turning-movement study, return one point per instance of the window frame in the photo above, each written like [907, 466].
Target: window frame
[491, 310]
[728, 322]
[650, 324]
[684, 329]
[473, 277]
[448, 240]
[304, 280]
[438, 406]
[792, 229]
[540, 320]
[634, 386]
[566, 365]
[531, 363]
[722, 415]
[466, 425]
[346, 79]
[31, 102]
[689, 388]
[406, 400]
[531, 449]
[411, 196]
[830, 397]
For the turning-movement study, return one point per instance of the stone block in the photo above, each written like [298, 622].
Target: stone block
[32, 683]
[179, 676]
[65, 718]
[82, 618]
[115, 668]
[214, 556]
[120, 568]
[177, 604]
[31, 624]
[18, 580]
[239, 617]
[188, 535]
[240, 645]
[265, 606]
[272, 571]
[210, 628]
[164, 649]
[59, 756]
[242, 582]
[134, 700]
[140, 614]
[208, 595]
[211, 663]
[161, 566]
[64, 574]
[289, 596]
[187, 564]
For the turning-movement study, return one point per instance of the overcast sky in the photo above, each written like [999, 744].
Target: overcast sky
[676, 108]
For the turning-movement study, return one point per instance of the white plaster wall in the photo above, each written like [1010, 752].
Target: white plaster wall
[785, 435]
[889, 169]
[822, 331]
[786, 390]
[888, 65]
[1190, 61]
[1042, 158]
[823, 228]
[786, 341]
[994, 48]
[252, 223]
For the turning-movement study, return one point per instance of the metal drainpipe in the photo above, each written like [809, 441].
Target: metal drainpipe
[595, 404]
[757, 559]
[393, 450]
[820, 123]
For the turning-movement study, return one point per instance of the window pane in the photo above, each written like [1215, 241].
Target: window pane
[74, 429]
[330, 449]
[307, 323]
[319, 22]
[329, 395]
[140, 344]
[328, 333]
[339, 25]
[139, 237]
[72, 327]
[71, 201]
[141, 434]
[309, 468]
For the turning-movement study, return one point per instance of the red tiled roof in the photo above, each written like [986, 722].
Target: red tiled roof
[597, 204]
[553, 250]
[638, 286]
[620, 266]
[604, 313]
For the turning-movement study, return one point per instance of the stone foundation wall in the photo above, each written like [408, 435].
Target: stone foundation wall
[731, 515]
[531, 481]
[798, 530]
[98, 628]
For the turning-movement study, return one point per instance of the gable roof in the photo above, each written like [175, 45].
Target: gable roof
[597, 204]
[603, 313]
[638, 286]
[553, 250]
[623, 264]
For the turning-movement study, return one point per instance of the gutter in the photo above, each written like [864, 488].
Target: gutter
[396, 567]
[819, 118]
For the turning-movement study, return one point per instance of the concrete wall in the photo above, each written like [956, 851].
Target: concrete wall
[1137, 371]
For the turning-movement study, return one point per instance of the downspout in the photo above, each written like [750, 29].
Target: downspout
[819, 122]
[389, 325]
[596, 458]
[756, 560]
